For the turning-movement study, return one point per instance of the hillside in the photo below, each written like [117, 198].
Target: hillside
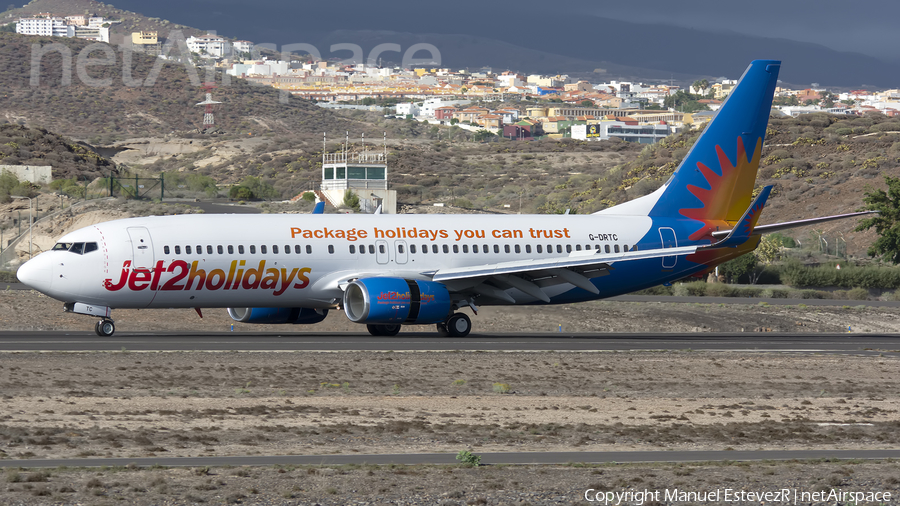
[130, 21]
[21, 145]
[160, 105]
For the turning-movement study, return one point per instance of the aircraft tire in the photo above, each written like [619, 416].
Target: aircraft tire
[459, 325]
[375, 330]
[105, 328]
[390, 330]
[442, 329]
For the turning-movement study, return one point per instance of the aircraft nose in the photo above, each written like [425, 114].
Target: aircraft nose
[36, 273]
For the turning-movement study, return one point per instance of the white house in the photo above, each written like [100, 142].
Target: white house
[242, 46]
[51, 27]
[207, 44]
[645, 133]
[407, 108]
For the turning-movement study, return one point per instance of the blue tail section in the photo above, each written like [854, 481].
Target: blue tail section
[744, 229]
[319, 209]
[714, 183]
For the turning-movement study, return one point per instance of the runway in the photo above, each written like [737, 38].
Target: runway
[67, 341]
[511, 458]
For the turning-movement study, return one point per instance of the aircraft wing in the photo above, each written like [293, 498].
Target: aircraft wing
[531, 276]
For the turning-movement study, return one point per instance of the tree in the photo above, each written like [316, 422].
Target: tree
[769, 249]
[587, 103]
[240, 193]
[886, 223]
[483, 135]
[351, 200]
[744, 265]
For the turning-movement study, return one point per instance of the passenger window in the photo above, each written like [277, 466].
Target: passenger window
[568, 248]
[371, 249]
[455, 248]
[209, 249]
[635, 247]
[527, 248]
[362, 249]
[549, 248]
[297, 249]
[241, 249]
[465, 248]
[381, 248]
[275, 249]
[446, 249]
[577, 247]
[559, 248]
[625, 248]
[597, 247]
[412, 248]
[187, 250]
[496, 248]
[166, 250]
[219, 249]
[230, 249]
[308, 249]
[506, 248]
[177, 250]
[330, 248]
[399, 248]
[352, 249]
[485, 248]
[540, 249]
[90, 246]
[587, 247]
[262, 250]
[424, 248]
[617, 248]
[474, 248]
[607, 248]
[434, 248]
[287, 249]
[252, 249]
[518, 249]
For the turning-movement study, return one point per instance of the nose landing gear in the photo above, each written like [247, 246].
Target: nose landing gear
[105, 328]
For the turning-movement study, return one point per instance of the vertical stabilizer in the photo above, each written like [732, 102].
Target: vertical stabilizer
[714, 183]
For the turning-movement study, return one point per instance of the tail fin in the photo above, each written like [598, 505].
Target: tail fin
[715, 180]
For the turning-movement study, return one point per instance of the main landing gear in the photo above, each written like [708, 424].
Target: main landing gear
[105, 328]
[457, 325]
[383, 330]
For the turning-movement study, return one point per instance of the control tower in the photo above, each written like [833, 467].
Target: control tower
[361, 170]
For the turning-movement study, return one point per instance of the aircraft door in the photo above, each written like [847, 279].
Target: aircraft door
[141, 247]
[381, 252]
[400, 252]
[667, 237]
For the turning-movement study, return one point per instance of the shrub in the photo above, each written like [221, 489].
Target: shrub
[469, 458]
[690, 289]
[858, 294]
[501, 388]
[719, 290]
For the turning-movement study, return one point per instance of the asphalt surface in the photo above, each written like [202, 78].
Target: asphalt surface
[449, 458]
[69, 341]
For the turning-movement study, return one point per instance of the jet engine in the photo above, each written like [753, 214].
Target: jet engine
[295, 315]
[396, 300]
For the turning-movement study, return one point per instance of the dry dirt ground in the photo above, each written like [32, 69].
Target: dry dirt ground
[130, 404]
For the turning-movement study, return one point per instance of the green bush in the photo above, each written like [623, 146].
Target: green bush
[690, 289]
[468, 458]
[858, 294]
[719, 290]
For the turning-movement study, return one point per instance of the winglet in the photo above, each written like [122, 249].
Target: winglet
[744, 228]
[320, 208]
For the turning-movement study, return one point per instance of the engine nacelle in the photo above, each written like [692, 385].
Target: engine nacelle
[295, 315]
[396, 300]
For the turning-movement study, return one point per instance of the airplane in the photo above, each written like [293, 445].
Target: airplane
[387, 271]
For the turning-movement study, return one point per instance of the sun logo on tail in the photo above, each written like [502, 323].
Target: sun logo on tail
[729, 192]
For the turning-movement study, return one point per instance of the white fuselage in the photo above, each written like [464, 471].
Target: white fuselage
[299, 260]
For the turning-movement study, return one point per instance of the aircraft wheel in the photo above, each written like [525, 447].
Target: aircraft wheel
[442, 329]
[375, 330]
[459, 325]
[105, 328]
[390, 330]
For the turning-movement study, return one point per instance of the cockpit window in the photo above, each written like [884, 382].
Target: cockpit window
[79, 248]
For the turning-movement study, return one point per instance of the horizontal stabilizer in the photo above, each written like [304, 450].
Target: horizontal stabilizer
[777, 227]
